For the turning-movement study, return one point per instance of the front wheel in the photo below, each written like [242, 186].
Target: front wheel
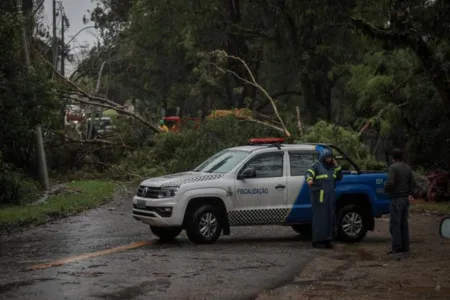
[351, 224]
[166, 234]
[204, 224]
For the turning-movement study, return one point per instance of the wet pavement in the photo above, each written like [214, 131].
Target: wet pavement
[78, 258]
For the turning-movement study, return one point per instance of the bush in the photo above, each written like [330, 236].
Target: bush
[345, 139]
[15, 187]
[176, 152]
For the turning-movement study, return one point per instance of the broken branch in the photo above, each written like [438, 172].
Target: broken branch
[254, 83]
[97, 101]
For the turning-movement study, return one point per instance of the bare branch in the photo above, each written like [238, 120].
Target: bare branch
[254, 83]
[78, 89]
[122, 170]
[380, 113]
[116, 108]
[264, 124]
[299, 121]
[68, 140]
[98, 101]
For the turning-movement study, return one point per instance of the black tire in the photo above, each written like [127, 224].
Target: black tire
[304, 229]
[196, 218]
[166, 234]
[359, 225]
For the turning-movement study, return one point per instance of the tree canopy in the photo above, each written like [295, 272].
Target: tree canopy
[375, 71]
[381, 63]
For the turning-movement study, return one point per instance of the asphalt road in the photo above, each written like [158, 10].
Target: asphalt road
[105, 254]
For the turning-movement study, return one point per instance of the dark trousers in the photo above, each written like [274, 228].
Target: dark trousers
[398, 223]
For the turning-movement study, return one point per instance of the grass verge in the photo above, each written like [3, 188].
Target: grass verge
[77, 197]
[436, 208]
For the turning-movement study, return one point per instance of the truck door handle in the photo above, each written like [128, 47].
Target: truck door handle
[280, 186]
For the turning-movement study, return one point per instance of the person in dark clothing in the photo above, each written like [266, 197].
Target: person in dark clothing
[400, 188]
[321, 178]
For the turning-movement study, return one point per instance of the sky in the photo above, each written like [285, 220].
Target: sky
[74, 10]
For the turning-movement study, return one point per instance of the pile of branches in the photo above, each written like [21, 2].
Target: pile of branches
[434, 186]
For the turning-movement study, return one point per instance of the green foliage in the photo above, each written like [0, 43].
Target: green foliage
[331, 67]
[77, 197]
[15, 187]
[176, 152]
[347, 140]
[27, 97]
[379, 72]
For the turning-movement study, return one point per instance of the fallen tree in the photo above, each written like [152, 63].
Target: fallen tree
[76, 94]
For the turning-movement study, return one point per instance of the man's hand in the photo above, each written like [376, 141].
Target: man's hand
[411, 199]
[310, 182]
[335, 162]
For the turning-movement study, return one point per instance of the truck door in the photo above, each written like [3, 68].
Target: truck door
[261, 200]
[298, 193]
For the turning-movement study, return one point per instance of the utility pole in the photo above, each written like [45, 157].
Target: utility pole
[63, 20]
[42, 162]
[99, 110]
[55, 42]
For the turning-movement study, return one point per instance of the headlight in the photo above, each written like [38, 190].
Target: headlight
[167, 193]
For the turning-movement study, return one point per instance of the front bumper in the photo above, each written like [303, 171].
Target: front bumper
[154, 213]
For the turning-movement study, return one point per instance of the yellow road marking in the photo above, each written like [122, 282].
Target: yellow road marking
[68, 260]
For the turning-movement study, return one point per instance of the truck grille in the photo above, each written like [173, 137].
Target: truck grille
[147, 192]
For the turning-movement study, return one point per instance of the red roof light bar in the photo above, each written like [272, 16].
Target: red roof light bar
[255, 141]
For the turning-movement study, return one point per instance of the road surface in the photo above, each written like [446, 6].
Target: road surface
[105, 254]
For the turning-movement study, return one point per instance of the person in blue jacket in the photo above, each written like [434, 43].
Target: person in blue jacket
[321, 178]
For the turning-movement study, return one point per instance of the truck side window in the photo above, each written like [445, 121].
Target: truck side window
[267, 165]
[301, 161]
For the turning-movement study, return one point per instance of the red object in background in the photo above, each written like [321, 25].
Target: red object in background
[266, 140]
[175, 123]
[74, 117]
[172, 119]
[438, 185]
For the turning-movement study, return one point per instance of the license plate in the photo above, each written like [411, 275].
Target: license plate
[140, 204]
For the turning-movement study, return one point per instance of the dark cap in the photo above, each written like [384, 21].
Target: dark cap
[397, 154]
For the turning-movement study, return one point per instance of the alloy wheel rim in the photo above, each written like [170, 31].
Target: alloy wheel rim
[208, 225]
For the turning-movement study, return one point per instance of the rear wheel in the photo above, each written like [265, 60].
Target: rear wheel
[166, 234]
[352, 224]
[203, 224]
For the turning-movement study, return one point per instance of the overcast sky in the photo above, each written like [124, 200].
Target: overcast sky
[75, 10]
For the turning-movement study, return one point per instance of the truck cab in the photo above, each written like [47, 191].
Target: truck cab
[262, 183]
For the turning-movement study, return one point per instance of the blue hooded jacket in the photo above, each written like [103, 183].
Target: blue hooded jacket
[323, 154]
[324, 177]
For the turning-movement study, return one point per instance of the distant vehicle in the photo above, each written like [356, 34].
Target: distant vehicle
[262, 183]
[74, 113]
[444, 229]
[102, 126]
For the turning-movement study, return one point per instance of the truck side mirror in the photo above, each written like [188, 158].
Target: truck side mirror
[444, 229]
[247, 173]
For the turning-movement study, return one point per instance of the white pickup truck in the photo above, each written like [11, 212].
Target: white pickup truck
[261, 183]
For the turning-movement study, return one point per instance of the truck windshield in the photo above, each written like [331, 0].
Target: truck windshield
[222, 162]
